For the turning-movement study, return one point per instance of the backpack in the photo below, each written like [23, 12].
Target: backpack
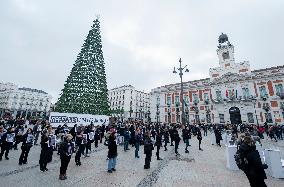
[241, 160]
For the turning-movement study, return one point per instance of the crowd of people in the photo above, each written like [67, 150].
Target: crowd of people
[152, 136]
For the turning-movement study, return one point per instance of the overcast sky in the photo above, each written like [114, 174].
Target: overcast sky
[142, 40]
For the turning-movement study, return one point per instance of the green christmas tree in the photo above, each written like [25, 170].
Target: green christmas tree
[85, 90]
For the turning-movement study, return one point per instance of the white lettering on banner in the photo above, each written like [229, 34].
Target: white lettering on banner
[71, 119]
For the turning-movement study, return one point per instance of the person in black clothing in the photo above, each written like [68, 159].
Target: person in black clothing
[97, 136]
[158, 143]
[176, 139]
[66, 149]
[87, 131]
[44, 153]
[166, 138]
[7, 143]
[171, 131]
[112, 152]
[199, 137]
[73, 132]
[218, 136]
[27, 140]
[186, 137]
[36, 131]
[80, 147]
[19, 131]
[148, 148]
[255, 169]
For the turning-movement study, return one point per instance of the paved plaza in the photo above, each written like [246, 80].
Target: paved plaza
[198, 168]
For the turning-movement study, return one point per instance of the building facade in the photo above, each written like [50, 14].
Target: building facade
[23, 102]
[232, 94]
[127, 102]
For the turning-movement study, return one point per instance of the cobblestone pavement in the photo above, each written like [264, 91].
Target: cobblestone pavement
[196, 169]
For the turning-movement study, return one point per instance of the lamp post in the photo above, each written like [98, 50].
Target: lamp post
[254, 102]
[180, 71]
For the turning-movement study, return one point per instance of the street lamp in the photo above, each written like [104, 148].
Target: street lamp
[180, 71]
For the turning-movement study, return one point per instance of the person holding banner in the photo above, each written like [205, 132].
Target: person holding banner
[7, 142]
[27, 140]
[66, 150]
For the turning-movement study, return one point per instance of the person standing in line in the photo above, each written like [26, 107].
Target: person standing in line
[80, 147]
[158, 144]
[166, 138]
[112, 152]
[126, 138]
[27, 140]
[138, 139]
[36, 131]
[186, 136]
[176, 139]
[199, 138]
[97, 136]
[148, 148]
[171, 131]
[44, 153]
[8, 139]
[66, 150]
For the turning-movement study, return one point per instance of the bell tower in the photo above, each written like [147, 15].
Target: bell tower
[225, 52]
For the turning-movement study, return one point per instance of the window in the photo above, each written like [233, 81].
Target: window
[186, 99]
[197, 120]
[245, 92]
[208, 118]
[263, 92]
[158, 100]
[169, 100]
[279, 89]
[222, 118]
[178, 118]
[218, 95]
[177, 99]
[268, 118]
[250, 117]
[195, 97]
[206, 97]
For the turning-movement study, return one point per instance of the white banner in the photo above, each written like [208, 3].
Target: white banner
[56, 119]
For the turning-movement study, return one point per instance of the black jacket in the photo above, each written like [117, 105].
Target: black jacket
[148, 145]
[112, 147]
[255, 166]
[66, 149]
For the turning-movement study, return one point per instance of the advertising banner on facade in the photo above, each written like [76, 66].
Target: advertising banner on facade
[56, 119]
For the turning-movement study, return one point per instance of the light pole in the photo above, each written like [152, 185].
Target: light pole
[180, 71]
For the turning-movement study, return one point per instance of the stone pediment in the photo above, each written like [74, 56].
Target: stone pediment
[229, 77]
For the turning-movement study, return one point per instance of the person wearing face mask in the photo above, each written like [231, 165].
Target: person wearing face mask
[66, 150]
[7, 143]
[27, 140]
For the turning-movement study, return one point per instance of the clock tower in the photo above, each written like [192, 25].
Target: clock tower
[225, 52]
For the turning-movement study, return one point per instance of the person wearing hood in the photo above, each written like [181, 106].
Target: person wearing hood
[27, 140]
[255, 169]
[7, 143]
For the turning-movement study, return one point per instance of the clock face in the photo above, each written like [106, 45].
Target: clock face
[225, 55]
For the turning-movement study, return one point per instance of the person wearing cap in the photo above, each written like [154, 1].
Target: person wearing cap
[66, 150]
[112, 152]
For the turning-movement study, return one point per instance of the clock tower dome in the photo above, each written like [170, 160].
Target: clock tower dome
[225, 52]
